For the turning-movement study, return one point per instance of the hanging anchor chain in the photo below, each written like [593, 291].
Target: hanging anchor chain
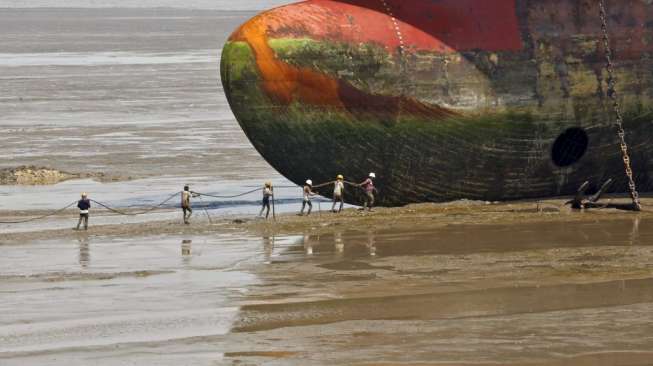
[612, 94]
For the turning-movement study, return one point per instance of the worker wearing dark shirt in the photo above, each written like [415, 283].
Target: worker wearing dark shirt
[84, 205]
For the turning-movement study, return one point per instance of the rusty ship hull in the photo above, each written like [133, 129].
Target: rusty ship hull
[444, 100]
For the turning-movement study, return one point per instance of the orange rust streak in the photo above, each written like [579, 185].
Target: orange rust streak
[286, 83]
[282, 81]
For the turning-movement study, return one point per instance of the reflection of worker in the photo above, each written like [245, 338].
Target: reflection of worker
[308, 245]
[338, 243]
[84, 205]
[84, 256]
[186, 251]
[371, 243]
[368, 187]
[268, 248]
[268, 192]
[186, 194]
[308, 195]
[186, 246]
[338, 193]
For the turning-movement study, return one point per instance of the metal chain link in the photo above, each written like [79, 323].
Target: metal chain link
[612, 94]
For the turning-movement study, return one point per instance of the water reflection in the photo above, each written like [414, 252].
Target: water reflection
[634, 233]
[371, 243]
[186, 250]
[338, 243]
[84, 256]
[365, 242]
[268, 248]
[308, 244]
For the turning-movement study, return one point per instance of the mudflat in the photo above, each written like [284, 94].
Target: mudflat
[463, 283]
[414, 217]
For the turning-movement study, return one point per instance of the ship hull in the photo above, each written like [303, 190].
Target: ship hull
[490, 100]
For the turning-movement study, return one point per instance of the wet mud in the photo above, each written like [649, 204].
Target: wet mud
[462, 283]
[411, 218]
[33, 175]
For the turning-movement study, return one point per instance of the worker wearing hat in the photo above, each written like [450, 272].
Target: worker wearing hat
[308, 194]
[338, 193]
[84, 205]
[268, 192]
[368, 187]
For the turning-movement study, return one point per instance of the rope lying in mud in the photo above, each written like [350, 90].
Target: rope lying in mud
[148, 210]
[40, 217]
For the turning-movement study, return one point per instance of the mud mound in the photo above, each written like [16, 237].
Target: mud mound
[32, 175]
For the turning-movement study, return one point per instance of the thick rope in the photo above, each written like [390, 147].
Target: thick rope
[323, 184]
[206, 211]
[136, 213]
[258, 189]
[234, 196]
[40, 217]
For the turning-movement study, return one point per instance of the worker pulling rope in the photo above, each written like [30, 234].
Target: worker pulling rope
[125, 213]
[259, 189]
[152, 208]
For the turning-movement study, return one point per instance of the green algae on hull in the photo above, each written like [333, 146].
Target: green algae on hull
[489, 155]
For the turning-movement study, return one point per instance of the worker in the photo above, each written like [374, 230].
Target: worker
[268, 192]
[84, 205]
[308, 194]
[338, 193]
[368, 187]
[186, 194]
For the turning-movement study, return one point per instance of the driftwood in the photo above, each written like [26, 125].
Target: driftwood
[580, 202]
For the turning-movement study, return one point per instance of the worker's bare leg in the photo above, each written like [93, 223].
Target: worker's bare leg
[337, 199]
[369, 201]
[187, 213]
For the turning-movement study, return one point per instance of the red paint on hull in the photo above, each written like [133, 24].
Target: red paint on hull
[286, 83]
[444, 26]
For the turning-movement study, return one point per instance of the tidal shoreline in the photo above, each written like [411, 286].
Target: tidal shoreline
[518, 283]
[412, 217]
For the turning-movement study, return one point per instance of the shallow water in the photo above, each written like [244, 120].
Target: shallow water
[543, 294]
[128, 92]
[91, 292]
[134, 93]
[145, 193]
